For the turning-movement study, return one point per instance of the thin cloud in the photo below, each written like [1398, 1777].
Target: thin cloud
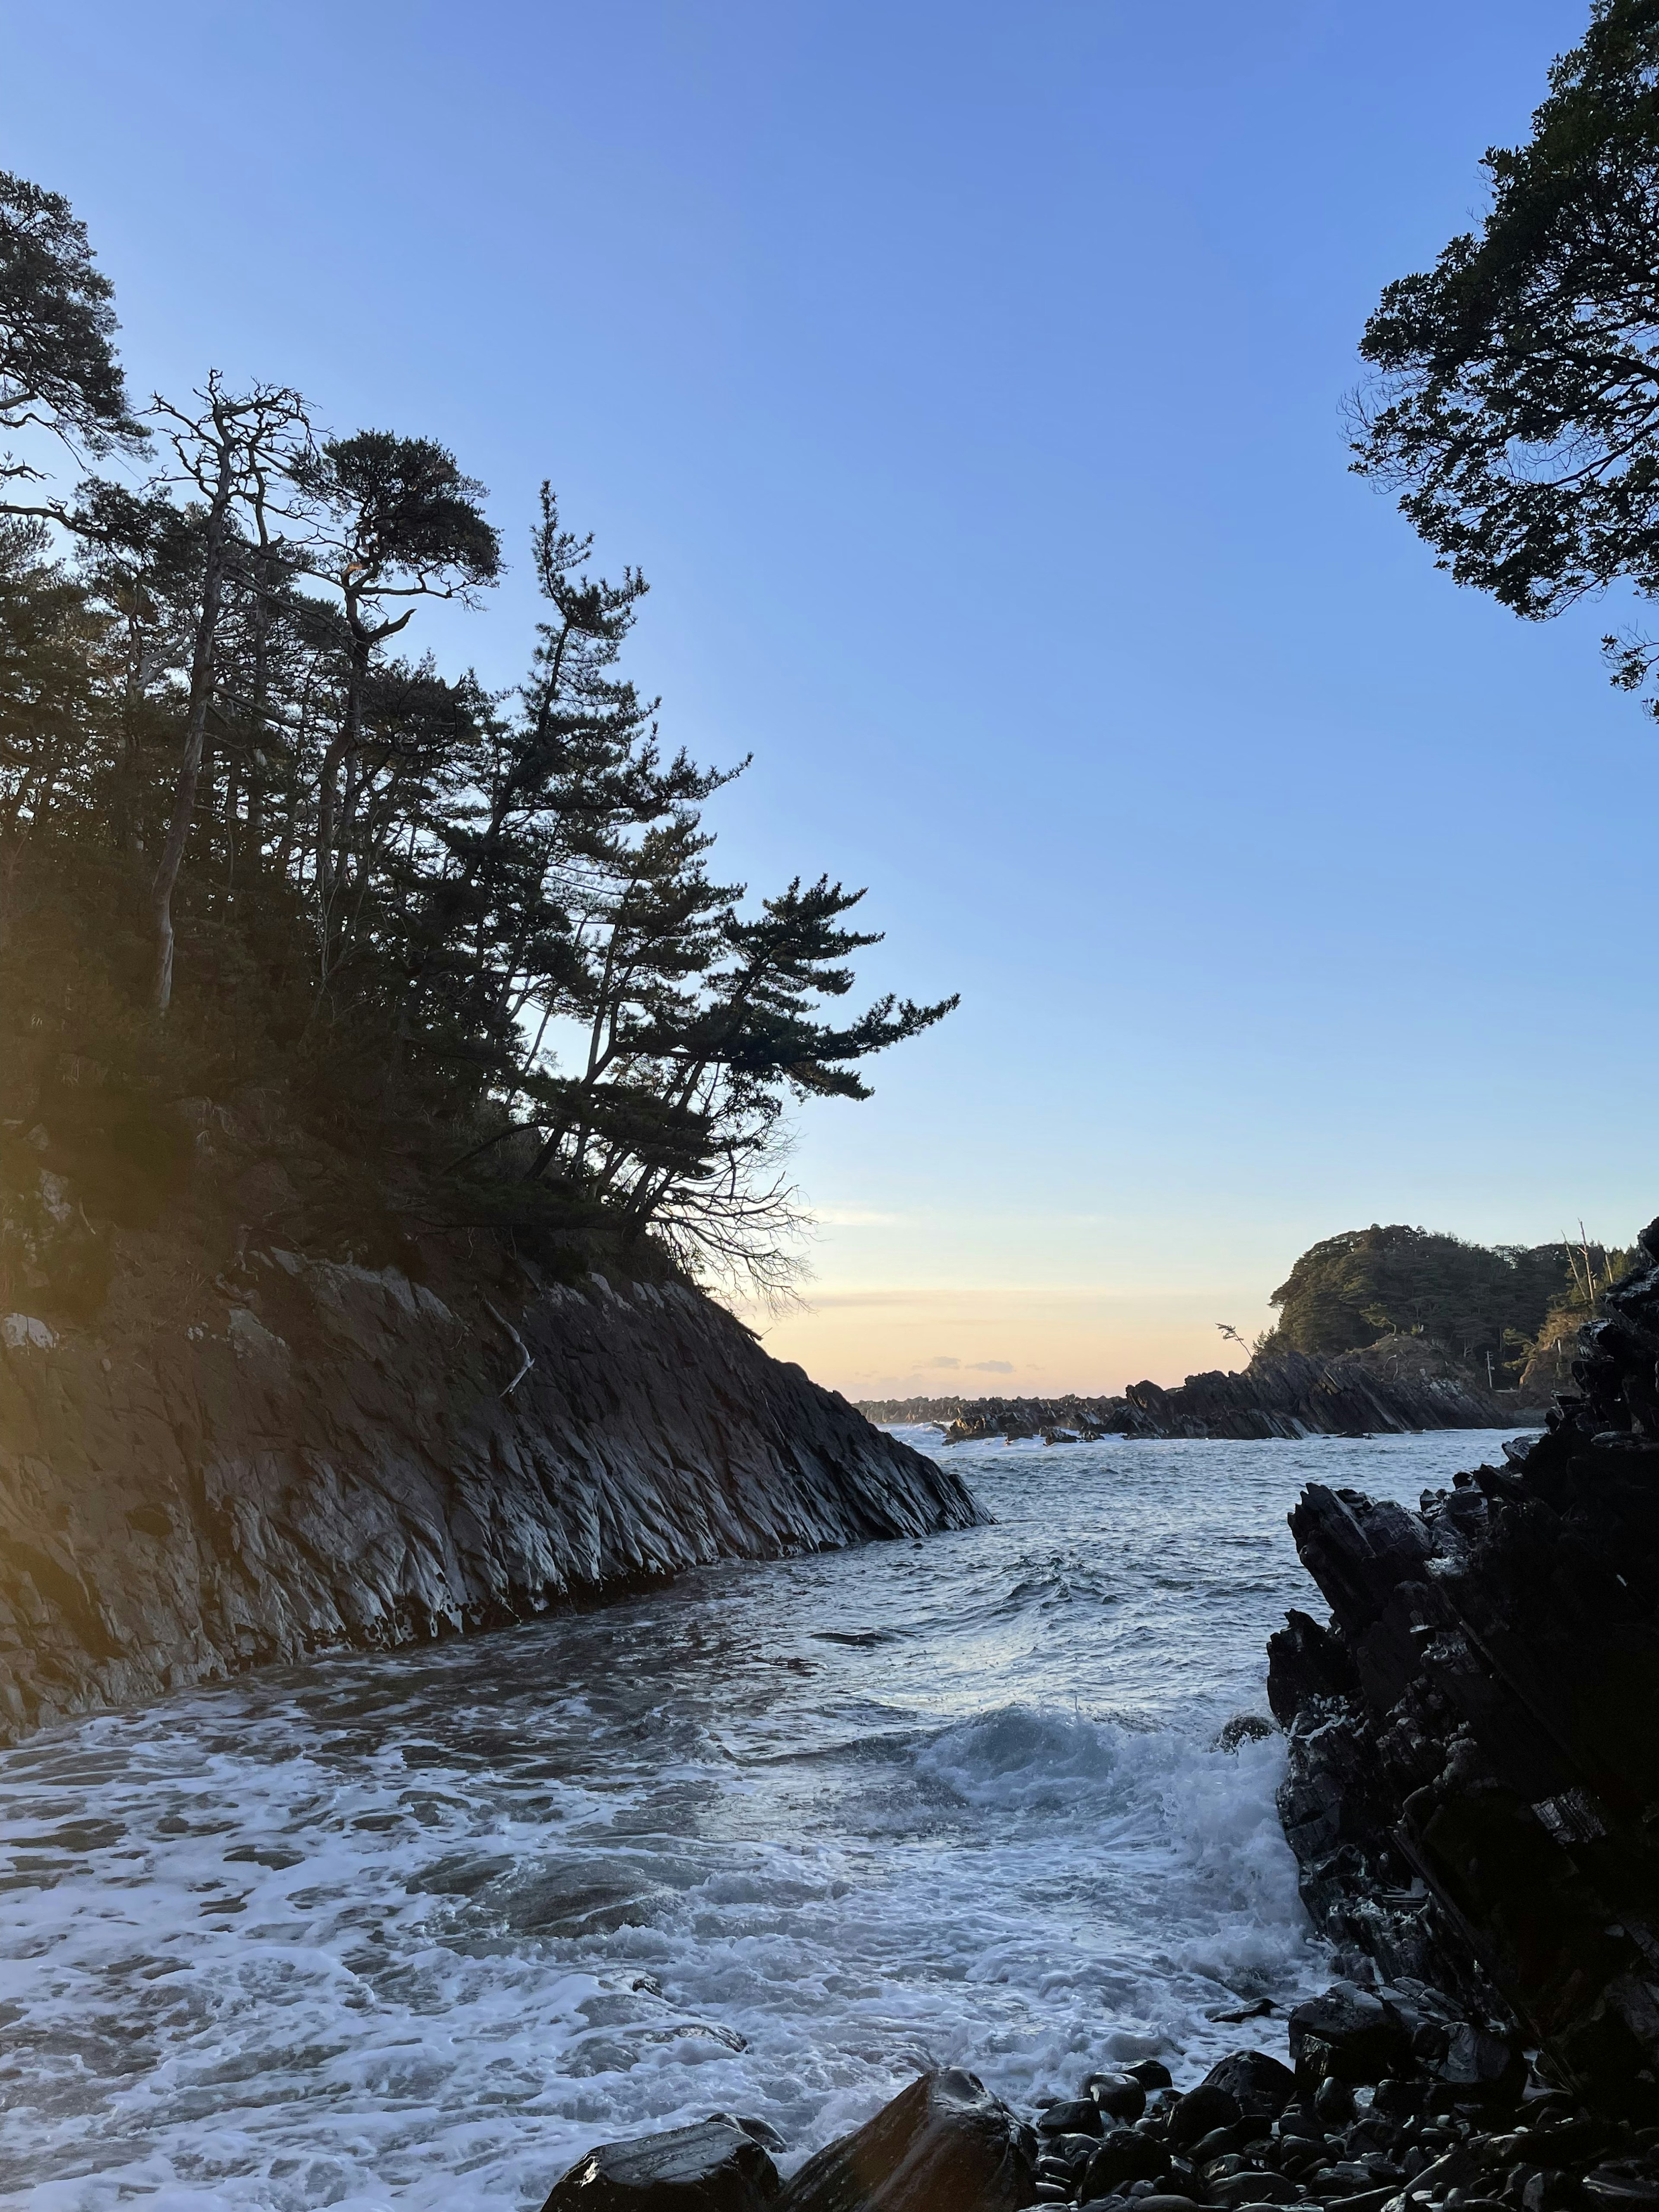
[990, 1366]
[943, 1360]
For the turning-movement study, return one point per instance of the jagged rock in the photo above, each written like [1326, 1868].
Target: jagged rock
[1395, 1384]
[717, 2166]
[1474, 1741]
[945, 2144]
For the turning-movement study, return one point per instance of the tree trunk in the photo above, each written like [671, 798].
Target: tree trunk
[201, 694]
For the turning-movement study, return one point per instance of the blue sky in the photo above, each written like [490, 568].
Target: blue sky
[967, 379]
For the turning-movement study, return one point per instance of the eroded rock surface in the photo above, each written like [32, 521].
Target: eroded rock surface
[218, 1471]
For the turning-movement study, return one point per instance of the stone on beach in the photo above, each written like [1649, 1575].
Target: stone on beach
[1350, 2033]
[1121, 2096]
[1261, 2085]
[1073, 2116]
[717, 2166]
[945, 2144]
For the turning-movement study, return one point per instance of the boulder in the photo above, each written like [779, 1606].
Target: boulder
[1476, 2058]
[1333, 2103]
[1350, 2033]
[1124, 2157]
[1120, 2096]
[1207, 2107]
[1262, 2087]
[945, 2144]
[1074, 2115]
[715, 2166]
[1151, 2073]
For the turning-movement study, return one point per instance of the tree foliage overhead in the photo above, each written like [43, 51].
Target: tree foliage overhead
[1517, 402]
[1470, 1299]
[245, 829]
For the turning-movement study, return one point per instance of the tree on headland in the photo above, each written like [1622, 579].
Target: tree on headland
[1515, 404]
[394, 521]
[59, 370]
[1470, 1300]
[227, 453]
[248, 845]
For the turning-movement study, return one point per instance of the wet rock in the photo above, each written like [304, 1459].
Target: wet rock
[1207, 2107]
[1348, 2033]
[945, 2144]
[1259, 2010]
[1622, 2182]
[1151, 2073]
[762, 2130]
[1120, 2096]
[1126, 2156]
[1255, 2186]
[715, 2167]
[1074, 2115]
[1245, 1728]
[1072, 2151]
[1261, 2085]
[1333, 2102]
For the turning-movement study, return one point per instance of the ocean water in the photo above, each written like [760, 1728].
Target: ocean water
[414, 1930]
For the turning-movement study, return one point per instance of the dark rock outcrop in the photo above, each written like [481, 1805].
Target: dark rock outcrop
[244, 1454]
[1399, 1383]
[718, 2165]
[1473, 1792]
[945, 2144]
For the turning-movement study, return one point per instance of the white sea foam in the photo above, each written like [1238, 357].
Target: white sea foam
[412, 1932]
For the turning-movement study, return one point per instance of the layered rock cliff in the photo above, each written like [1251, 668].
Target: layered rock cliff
[1474, 1784]
[228, 1451]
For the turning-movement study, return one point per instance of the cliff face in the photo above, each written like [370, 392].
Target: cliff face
[1474, 1784]
[247, 1455]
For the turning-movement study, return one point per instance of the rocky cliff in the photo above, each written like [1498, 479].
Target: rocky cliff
[1473, 1782]
[218, 1451]
[1398, 1384]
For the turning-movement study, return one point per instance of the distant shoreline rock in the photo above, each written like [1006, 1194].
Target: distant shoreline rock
[1397, 1385]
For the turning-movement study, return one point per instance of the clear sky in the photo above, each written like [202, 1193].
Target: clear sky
[967, 379]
